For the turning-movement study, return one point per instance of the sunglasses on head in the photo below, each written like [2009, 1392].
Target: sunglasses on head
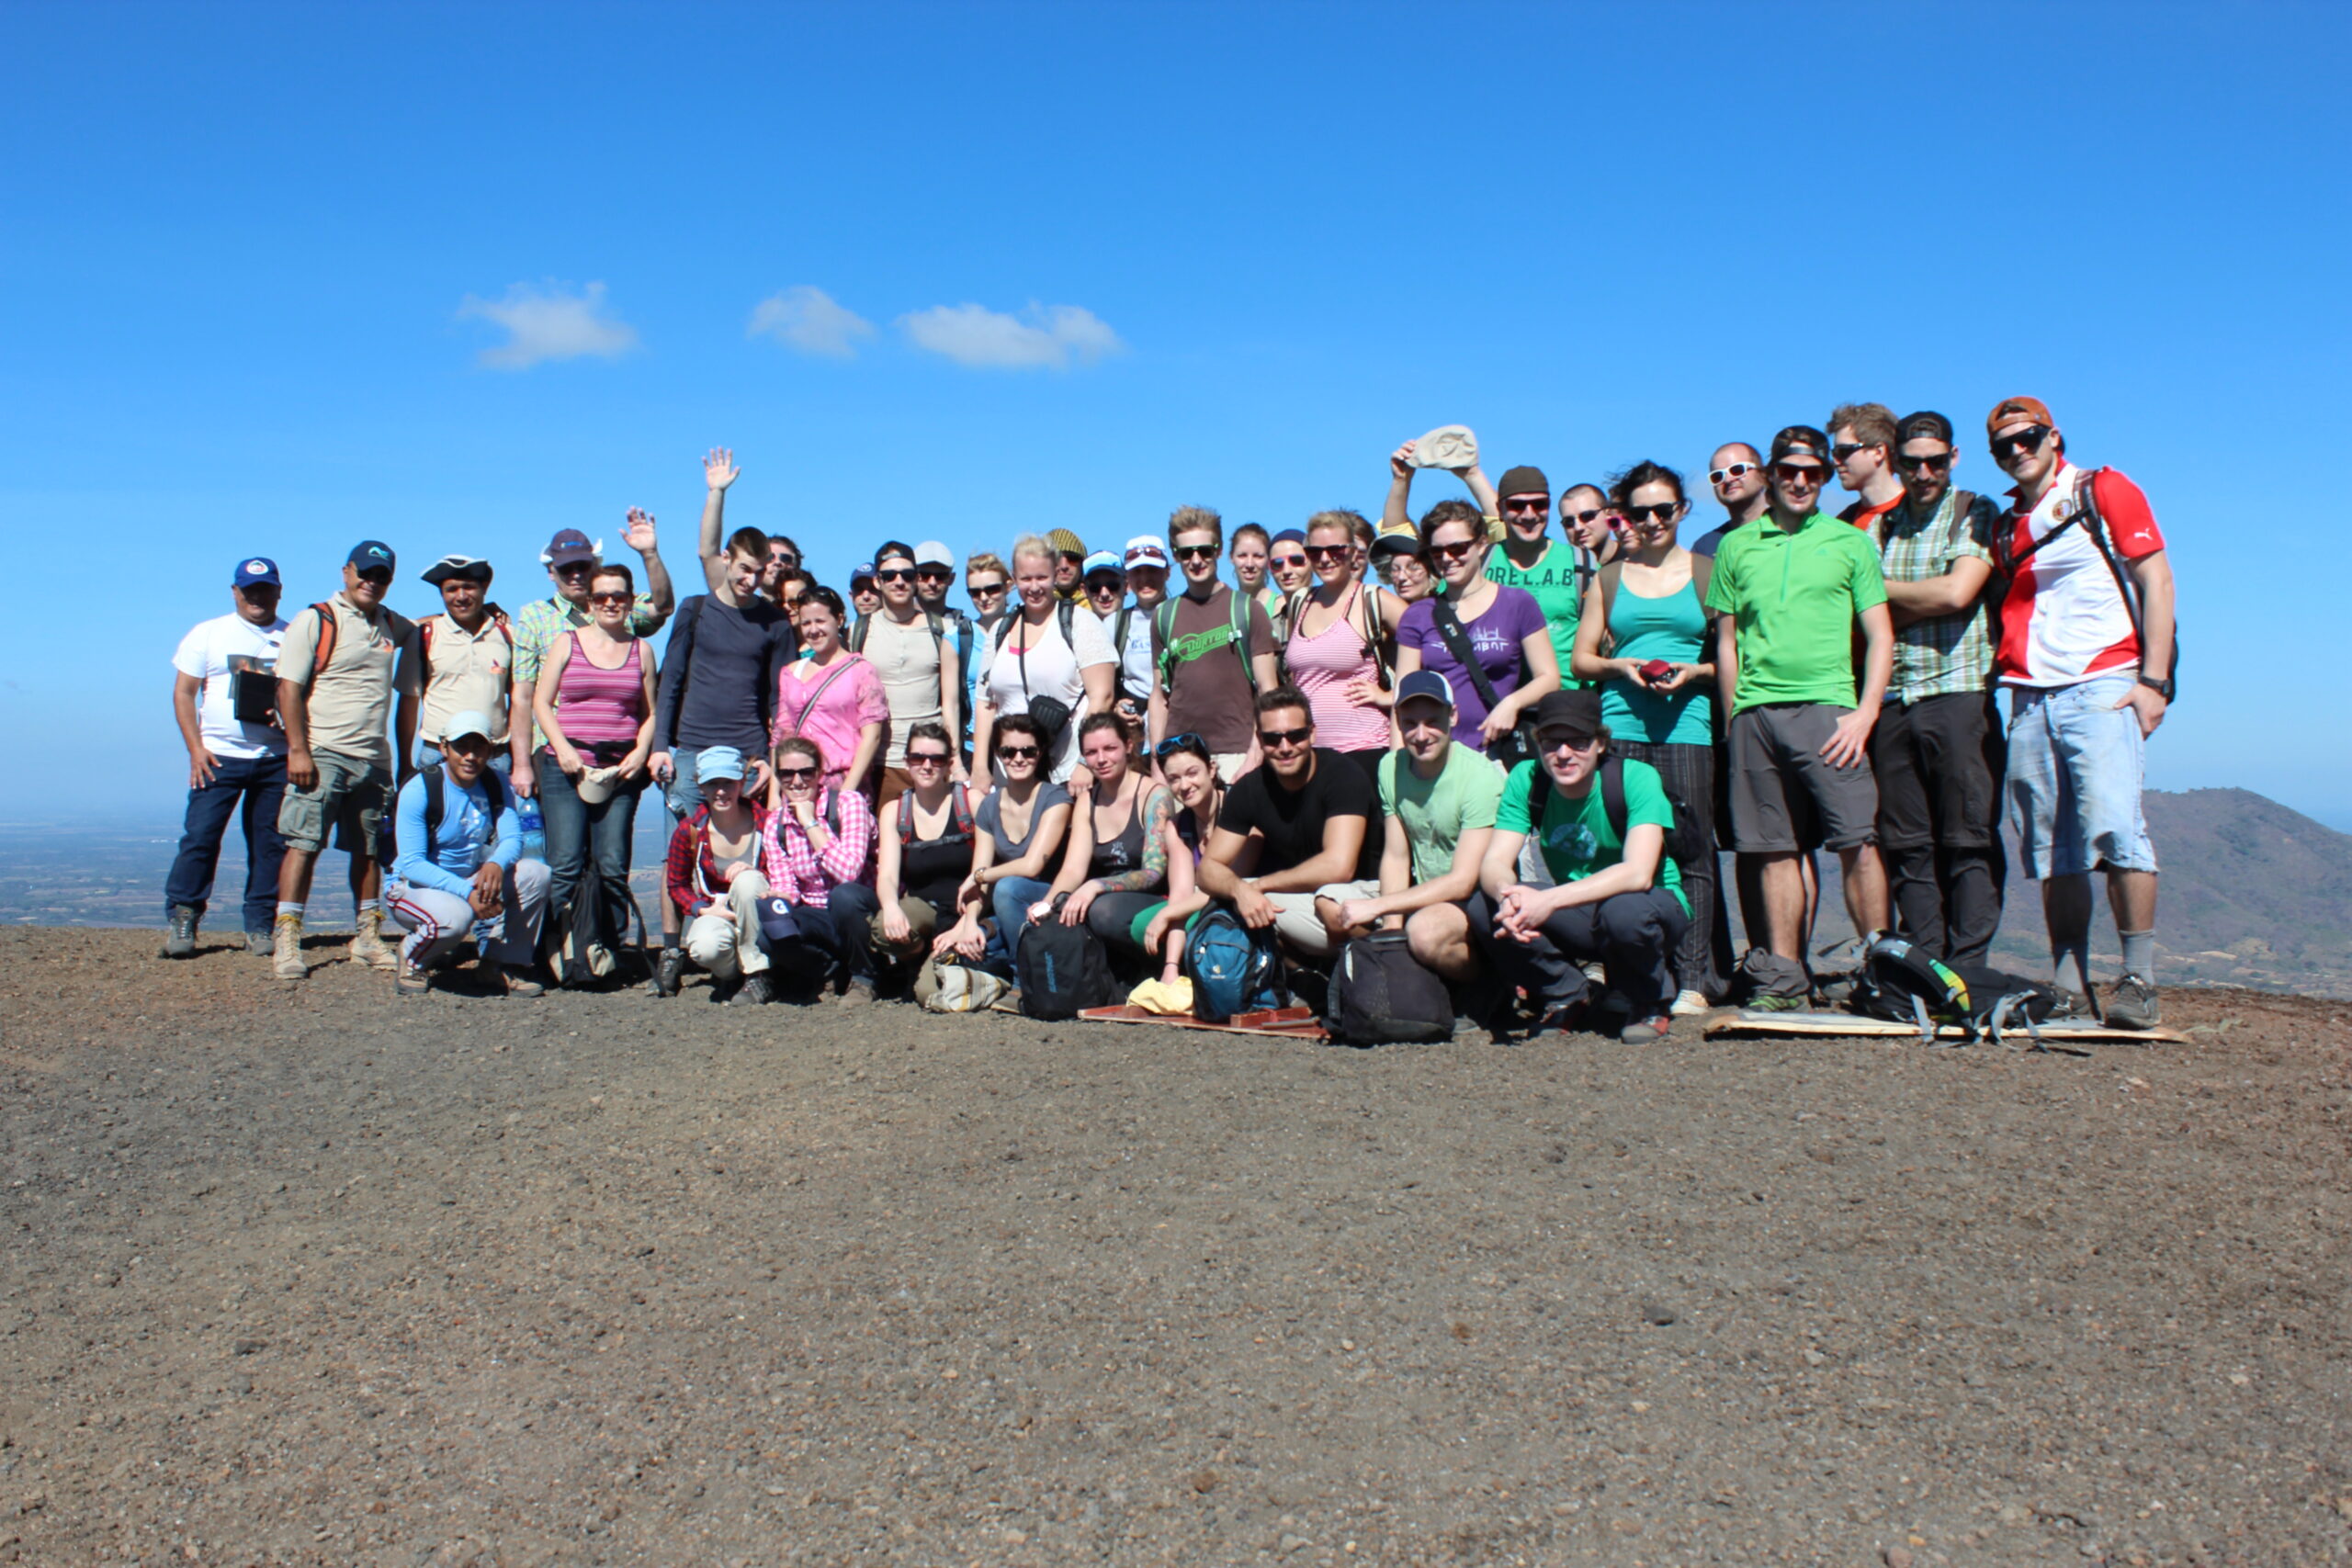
[1845, 450]
[2029, 439]
[1798, 473]
[1937, 461]
[1197, 552]
[1664, 511]
[1273, 738]
[610, 598]
[1017, 752]
[1730, 471]
[1175, 743]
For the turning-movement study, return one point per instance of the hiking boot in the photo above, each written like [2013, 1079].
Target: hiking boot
[180, 941]
[286, 949]
[754, 991]
[1646, 1031]
[668, 971]
[410, 981]
[261, 942]
[2130, 1003]
[856, 994]
[520, 982]
[1690, 1004]
[368, 945]
[1774, 984]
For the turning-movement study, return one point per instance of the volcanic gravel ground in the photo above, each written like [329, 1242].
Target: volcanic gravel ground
[313, 1275]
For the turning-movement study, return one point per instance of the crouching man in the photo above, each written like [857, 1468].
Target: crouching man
[1618, 897]
[716, 876]
[459, 870]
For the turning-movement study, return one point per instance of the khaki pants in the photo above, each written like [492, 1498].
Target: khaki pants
[1300, 929]
[728, 945]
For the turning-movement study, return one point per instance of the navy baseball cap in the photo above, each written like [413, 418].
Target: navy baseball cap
[257, 569]
[370, 554]
[1425, 683]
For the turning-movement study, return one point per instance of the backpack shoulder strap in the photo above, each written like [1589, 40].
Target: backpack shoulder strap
[1119, 629]
[905, 817]
[1612, 795]
[1065, 612]
[857, 631]
[1609, 577]
[1539, 797]
[437, 803]
[494, 790]
[833, 812]
[324, 654]
[425, 649]
[1703, 577]
[1163, 636]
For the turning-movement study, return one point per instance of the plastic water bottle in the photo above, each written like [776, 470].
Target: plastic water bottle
[535, 829]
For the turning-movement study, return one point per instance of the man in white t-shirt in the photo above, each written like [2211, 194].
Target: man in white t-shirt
[224, 693]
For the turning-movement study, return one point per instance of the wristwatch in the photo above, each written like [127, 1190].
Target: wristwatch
[2162, 688]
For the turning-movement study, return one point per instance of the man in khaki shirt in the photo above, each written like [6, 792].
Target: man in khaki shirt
[339, 670]
[465, 662]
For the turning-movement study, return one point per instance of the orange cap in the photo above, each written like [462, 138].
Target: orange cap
[2008, 408]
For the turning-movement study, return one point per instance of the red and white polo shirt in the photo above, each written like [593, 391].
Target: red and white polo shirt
[2064, 620]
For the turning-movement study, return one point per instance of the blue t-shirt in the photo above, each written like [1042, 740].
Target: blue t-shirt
[466, 839]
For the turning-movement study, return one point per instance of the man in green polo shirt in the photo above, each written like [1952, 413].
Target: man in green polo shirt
[1788, 592]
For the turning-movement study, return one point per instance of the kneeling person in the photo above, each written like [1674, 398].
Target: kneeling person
[1618, 898]
[460, 870]
[1308, 813]
[717, 874]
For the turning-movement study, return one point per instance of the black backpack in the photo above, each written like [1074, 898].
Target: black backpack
[1686, 842]
[1910, 985]
[1382, 996]
[1062, 970]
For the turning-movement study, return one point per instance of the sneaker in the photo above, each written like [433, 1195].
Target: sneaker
[286, 949]
[754, 990]
[1646, 1031]
[1774, 984]
[410, 981]
[180, 941]
[856, 994]
[1690, 1004]
[520, 982]
[261, 942]
[670, 972]
[2130, 1003]
[368, 945]
[1767, 1003]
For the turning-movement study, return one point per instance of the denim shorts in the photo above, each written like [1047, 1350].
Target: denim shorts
[2075, 761]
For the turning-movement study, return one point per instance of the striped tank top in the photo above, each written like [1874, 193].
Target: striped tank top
[1321, 668]
[601, 705]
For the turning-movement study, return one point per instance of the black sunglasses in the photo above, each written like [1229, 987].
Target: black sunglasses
[1328, 552]
[1845, 450]
[1458, 550]
[1527, 503]
[937, 573]
[1586, 515]
[2031, 438]
[1197, 552]
[1664, 511]
[1285, 736]
[1938, 461]
[895, 574]
[1798, 473]
[1734, 471]
[789, 774]
[1016, 750]
[926, 759]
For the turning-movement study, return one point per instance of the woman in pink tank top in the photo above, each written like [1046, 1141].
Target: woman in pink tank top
[595, 704]
[1337, 655]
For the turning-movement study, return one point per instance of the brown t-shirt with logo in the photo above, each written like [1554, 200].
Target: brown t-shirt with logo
[1209, 693]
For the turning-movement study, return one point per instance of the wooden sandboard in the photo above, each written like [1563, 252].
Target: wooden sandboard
[1290, 1023]
[1852, 1025]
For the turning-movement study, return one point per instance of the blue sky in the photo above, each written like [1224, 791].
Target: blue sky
[255, 261]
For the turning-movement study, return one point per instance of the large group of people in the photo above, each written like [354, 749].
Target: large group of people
[1520, 730]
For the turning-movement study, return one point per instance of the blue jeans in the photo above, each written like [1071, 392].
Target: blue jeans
[1011, 899]
[588, 851]
[251, 789]
[2075, 765]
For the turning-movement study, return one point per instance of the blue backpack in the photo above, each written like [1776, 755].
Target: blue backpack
[1233, 969]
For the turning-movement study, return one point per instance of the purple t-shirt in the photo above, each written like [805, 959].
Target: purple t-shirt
[1494, 639]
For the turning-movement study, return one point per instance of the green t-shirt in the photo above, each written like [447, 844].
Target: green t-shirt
[1553, 582]
[1437, 812]
[1793, 597]
[1577, 838]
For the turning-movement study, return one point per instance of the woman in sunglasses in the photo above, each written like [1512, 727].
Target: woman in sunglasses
[1511, 663]
[1191, 772]
[594, 703]
[1339, 642]
[1049, 660]
[833, 696]
[819, 840]
[924, 851]
[1117, 858]
[920, 679]
[1645, 639]
[1021, 823]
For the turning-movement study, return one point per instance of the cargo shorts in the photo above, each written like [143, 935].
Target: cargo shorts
[353, 796]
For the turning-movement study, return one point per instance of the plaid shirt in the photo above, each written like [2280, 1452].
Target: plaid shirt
[1942, 654]
[797, 873]
[691, 872]
[539, 624]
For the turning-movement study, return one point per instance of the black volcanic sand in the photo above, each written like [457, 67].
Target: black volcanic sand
[313, 1275]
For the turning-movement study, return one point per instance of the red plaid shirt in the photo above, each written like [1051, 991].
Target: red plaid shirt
[797, 873]
[691, 872]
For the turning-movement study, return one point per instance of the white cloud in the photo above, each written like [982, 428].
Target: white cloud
[812, 321]
[1042, 336]
[550, 324]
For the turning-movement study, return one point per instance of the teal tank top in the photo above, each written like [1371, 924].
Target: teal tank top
[1673, 628]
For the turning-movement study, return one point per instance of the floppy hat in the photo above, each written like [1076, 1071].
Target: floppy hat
[471, 722]
[718, 762]
[1447, 447]
[447, 567]
[596, 784]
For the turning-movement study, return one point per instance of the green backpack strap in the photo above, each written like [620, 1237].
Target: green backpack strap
[1163, 639]
[1241, 602]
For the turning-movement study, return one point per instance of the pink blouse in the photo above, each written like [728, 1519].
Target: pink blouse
[846, 698]
[1321, 668]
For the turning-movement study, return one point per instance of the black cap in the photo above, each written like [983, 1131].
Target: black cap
[370, 555]
[1579, 711]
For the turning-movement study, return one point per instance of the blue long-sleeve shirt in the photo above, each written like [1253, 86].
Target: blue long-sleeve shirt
[466, 839]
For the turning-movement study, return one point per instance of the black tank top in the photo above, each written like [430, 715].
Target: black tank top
[1116, 857]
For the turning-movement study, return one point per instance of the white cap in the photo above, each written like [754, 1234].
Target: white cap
[931, 552]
